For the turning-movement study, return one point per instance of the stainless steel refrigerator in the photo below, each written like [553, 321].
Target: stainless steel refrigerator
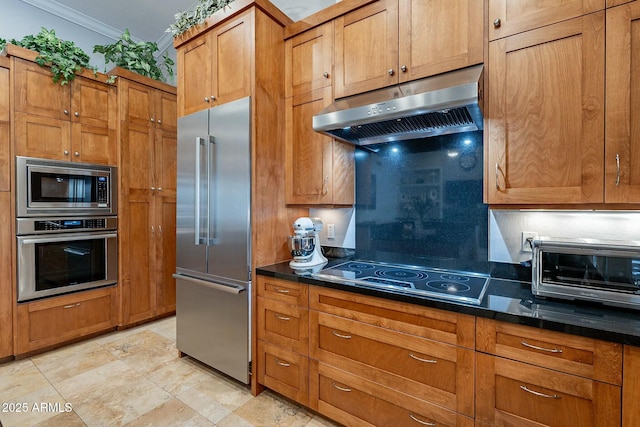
[213, 265]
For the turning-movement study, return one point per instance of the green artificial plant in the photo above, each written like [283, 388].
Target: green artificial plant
[136, 56]
[64, 57]
[187, 19]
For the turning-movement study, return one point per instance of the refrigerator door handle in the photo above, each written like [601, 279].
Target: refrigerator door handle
[200, 142]
[212, 285]
[211, 217]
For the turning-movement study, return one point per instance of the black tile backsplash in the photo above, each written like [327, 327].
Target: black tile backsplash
[419, 202]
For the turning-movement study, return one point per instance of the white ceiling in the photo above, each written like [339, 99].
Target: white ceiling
[147, 20]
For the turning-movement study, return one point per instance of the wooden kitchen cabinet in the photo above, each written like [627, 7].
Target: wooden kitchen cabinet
[622, 159]
[551, 378]
[52, 321]
[309, 60]
[148, 181]
[393, 41]
[75, 122]
[425, 353]
[283, 337]
[508, 17]
[544, 121]
[515, 393]
[5, 128]
[215, 68]
[356, 401]
[6, 217]
[7, 239]
[320, 170]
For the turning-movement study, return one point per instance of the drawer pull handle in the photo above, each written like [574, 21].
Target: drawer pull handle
[348, 390]
[72, 305]
[424, 423]
[535, 347]
[285, 364]
[413, 356]
[282, 291]
[346, 337]
[537, 393]
[280, 317]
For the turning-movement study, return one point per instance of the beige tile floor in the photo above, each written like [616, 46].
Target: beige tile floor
[135, 378]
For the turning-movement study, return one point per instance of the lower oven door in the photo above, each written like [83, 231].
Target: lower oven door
[60, 263]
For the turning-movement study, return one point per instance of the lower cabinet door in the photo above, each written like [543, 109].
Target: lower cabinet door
[510, 393]
[355, 401]
[284, 371]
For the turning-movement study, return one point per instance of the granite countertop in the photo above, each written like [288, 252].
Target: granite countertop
[507, 300]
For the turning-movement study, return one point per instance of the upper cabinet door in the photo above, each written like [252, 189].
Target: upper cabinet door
[366, 48]
[438, 36]
[93, 103]
[545, 115]
[232, 60]
[194, 71]
[507, 17]
[622, 155]
[309, 60]
[36, 93]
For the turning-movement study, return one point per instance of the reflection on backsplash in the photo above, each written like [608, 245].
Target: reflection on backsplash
[420, 202]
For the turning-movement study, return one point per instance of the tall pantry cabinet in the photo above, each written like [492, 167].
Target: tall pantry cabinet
[6, 224]
[247, 40]
[147, 212]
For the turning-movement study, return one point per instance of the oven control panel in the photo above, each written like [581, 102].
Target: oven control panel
[64, 225]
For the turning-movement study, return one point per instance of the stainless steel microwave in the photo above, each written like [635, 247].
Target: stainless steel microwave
[50, 187]
[603, 271]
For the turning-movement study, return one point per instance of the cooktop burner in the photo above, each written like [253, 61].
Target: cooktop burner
[419, 281]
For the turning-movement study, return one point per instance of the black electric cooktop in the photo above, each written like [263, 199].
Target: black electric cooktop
[434, 283]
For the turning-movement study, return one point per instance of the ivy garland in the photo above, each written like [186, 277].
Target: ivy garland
[190, 18]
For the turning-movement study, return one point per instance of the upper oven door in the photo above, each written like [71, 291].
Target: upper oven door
[46, 187]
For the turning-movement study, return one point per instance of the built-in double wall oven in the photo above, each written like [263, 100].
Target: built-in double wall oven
[66, 227]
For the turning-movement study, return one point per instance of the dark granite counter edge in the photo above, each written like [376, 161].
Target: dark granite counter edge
[618, 332]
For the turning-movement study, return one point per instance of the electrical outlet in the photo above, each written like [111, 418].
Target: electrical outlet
[527, 241]
[331, 231]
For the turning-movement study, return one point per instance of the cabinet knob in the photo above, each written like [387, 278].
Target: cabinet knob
[76, 114]
[206, 99]
[404, 68]
[159, 121]
[66, 112]
[152, 120]
[159, 188]
[76, 154]
[153, 188]
[213, 97]
[391, 72]
[66, 152]
[497, 23]
[326, 75]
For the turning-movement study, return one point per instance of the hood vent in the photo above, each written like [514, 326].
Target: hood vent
[444, 104]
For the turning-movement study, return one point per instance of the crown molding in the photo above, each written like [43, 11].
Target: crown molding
[75, 17]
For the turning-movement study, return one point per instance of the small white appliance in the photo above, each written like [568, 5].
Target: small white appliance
[305, 243]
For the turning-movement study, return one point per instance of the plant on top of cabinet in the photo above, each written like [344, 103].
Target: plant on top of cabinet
[64, 57]
[190, 18]
[136, 56]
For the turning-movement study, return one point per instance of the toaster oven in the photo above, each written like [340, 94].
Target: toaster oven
[603, 271]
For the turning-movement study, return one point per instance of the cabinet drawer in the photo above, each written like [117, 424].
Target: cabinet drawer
[55, 320]
[284, 371]
[586, 357]
[511, 393]
[432, 371]
[283, 290]
[284, 325]
[354, 401]
[439, 325]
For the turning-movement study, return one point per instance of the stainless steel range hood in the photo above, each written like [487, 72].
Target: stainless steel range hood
[443, 104]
